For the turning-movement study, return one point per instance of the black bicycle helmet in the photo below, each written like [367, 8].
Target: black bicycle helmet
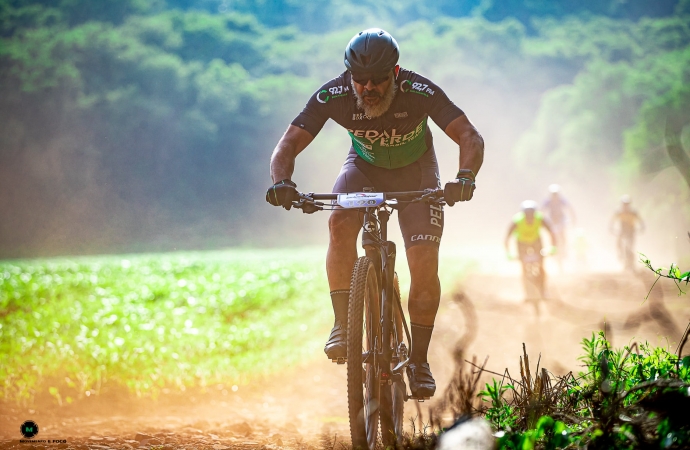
[372, 51]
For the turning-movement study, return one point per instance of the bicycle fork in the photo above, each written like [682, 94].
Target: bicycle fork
[383, 253]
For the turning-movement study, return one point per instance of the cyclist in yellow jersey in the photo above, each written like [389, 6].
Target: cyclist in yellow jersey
[526, 226]
[629, 222]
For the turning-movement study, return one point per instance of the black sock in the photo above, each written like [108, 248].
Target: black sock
[340, 300]
[421, 335]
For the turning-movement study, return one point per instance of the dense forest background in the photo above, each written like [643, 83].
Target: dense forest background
[133, 125]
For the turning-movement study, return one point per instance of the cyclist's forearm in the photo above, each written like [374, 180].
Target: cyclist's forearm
[290, 145]
[471, 150]
[282, 162]
[470, 142]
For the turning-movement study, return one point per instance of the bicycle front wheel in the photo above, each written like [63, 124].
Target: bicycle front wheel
[392, 396]
[363, 346]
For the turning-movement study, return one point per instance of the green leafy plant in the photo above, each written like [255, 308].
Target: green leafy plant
[625, 398]
[500, 413]
[673, 272]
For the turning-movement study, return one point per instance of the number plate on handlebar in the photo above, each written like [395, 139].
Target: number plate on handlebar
[361, 199]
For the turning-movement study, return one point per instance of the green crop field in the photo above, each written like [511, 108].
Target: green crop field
[160, 323]
[156, 323]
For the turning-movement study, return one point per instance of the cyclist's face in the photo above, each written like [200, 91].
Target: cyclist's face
[372, 91]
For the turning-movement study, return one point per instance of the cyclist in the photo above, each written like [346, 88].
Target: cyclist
[628, 221]
[526, 226]
[560, 212]
[384, 109]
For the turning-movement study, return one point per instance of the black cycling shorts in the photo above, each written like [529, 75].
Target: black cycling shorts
[420, 223]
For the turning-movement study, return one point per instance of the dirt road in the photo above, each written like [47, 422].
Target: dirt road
[305, 407]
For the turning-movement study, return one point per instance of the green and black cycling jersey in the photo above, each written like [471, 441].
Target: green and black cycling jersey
[397, 138]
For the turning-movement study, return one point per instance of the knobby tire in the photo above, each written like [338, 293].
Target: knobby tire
[363, 334]
[392, 397]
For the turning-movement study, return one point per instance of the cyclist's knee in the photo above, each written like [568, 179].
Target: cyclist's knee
[423, 263]
[423, 255]
[343, 226]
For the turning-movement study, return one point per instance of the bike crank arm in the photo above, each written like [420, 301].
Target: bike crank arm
[368, 357]
[397, 370]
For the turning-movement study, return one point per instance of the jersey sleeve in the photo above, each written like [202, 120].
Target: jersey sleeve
[315, 114]
[439, 107]
[444, 111]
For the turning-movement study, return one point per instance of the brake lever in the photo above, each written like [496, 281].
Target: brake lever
[431, 196]
[308, 206]
[311, 207]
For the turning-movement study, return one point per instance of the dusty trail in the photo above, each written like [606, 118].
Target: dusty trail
[306, 407]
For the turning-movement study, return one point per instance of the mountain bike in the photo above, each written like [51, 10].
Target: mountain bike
[377, 353]
[533, 276]
[626, 251]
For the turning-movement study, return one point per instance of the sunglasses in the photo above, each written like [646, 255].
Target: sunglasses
[364, 79]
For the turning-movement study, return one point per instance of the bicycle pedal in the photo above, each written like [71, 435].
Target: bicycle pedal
[339, 360]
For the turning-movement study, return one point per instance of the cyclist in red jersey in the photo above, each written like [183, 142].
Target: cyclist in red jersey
[561, 214]
[384, 109]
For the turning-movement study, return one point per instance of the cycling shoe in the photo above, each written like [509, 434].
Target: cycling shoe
[336, 347]
[422, 384]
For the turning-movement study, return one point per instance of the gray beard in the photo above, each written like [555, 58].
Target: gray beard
[380, 108]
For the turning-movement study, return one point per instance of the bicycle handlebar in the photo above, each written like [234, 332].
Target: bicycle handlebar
[310, 202]
[388, 195]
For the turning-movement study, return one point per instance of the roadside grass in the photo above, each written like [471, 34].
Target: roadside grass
[634, 397]
[157, 323]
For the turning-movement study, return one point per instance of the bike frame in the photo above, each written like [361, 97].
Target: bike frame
[382, 252]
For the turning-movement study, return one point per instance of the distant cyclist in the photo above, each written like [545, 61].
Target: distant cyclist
[385, 110]
[560, 213]
[526, 227]
[625, 224]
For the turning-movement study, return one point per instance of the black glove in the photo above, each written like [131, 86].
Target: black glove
[282, 194]
[461, 189]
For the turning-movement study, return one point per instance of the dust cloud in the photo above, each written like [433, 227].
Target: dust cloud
[305, 406]
[478, 227]
[299, 404]
[590, 292]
